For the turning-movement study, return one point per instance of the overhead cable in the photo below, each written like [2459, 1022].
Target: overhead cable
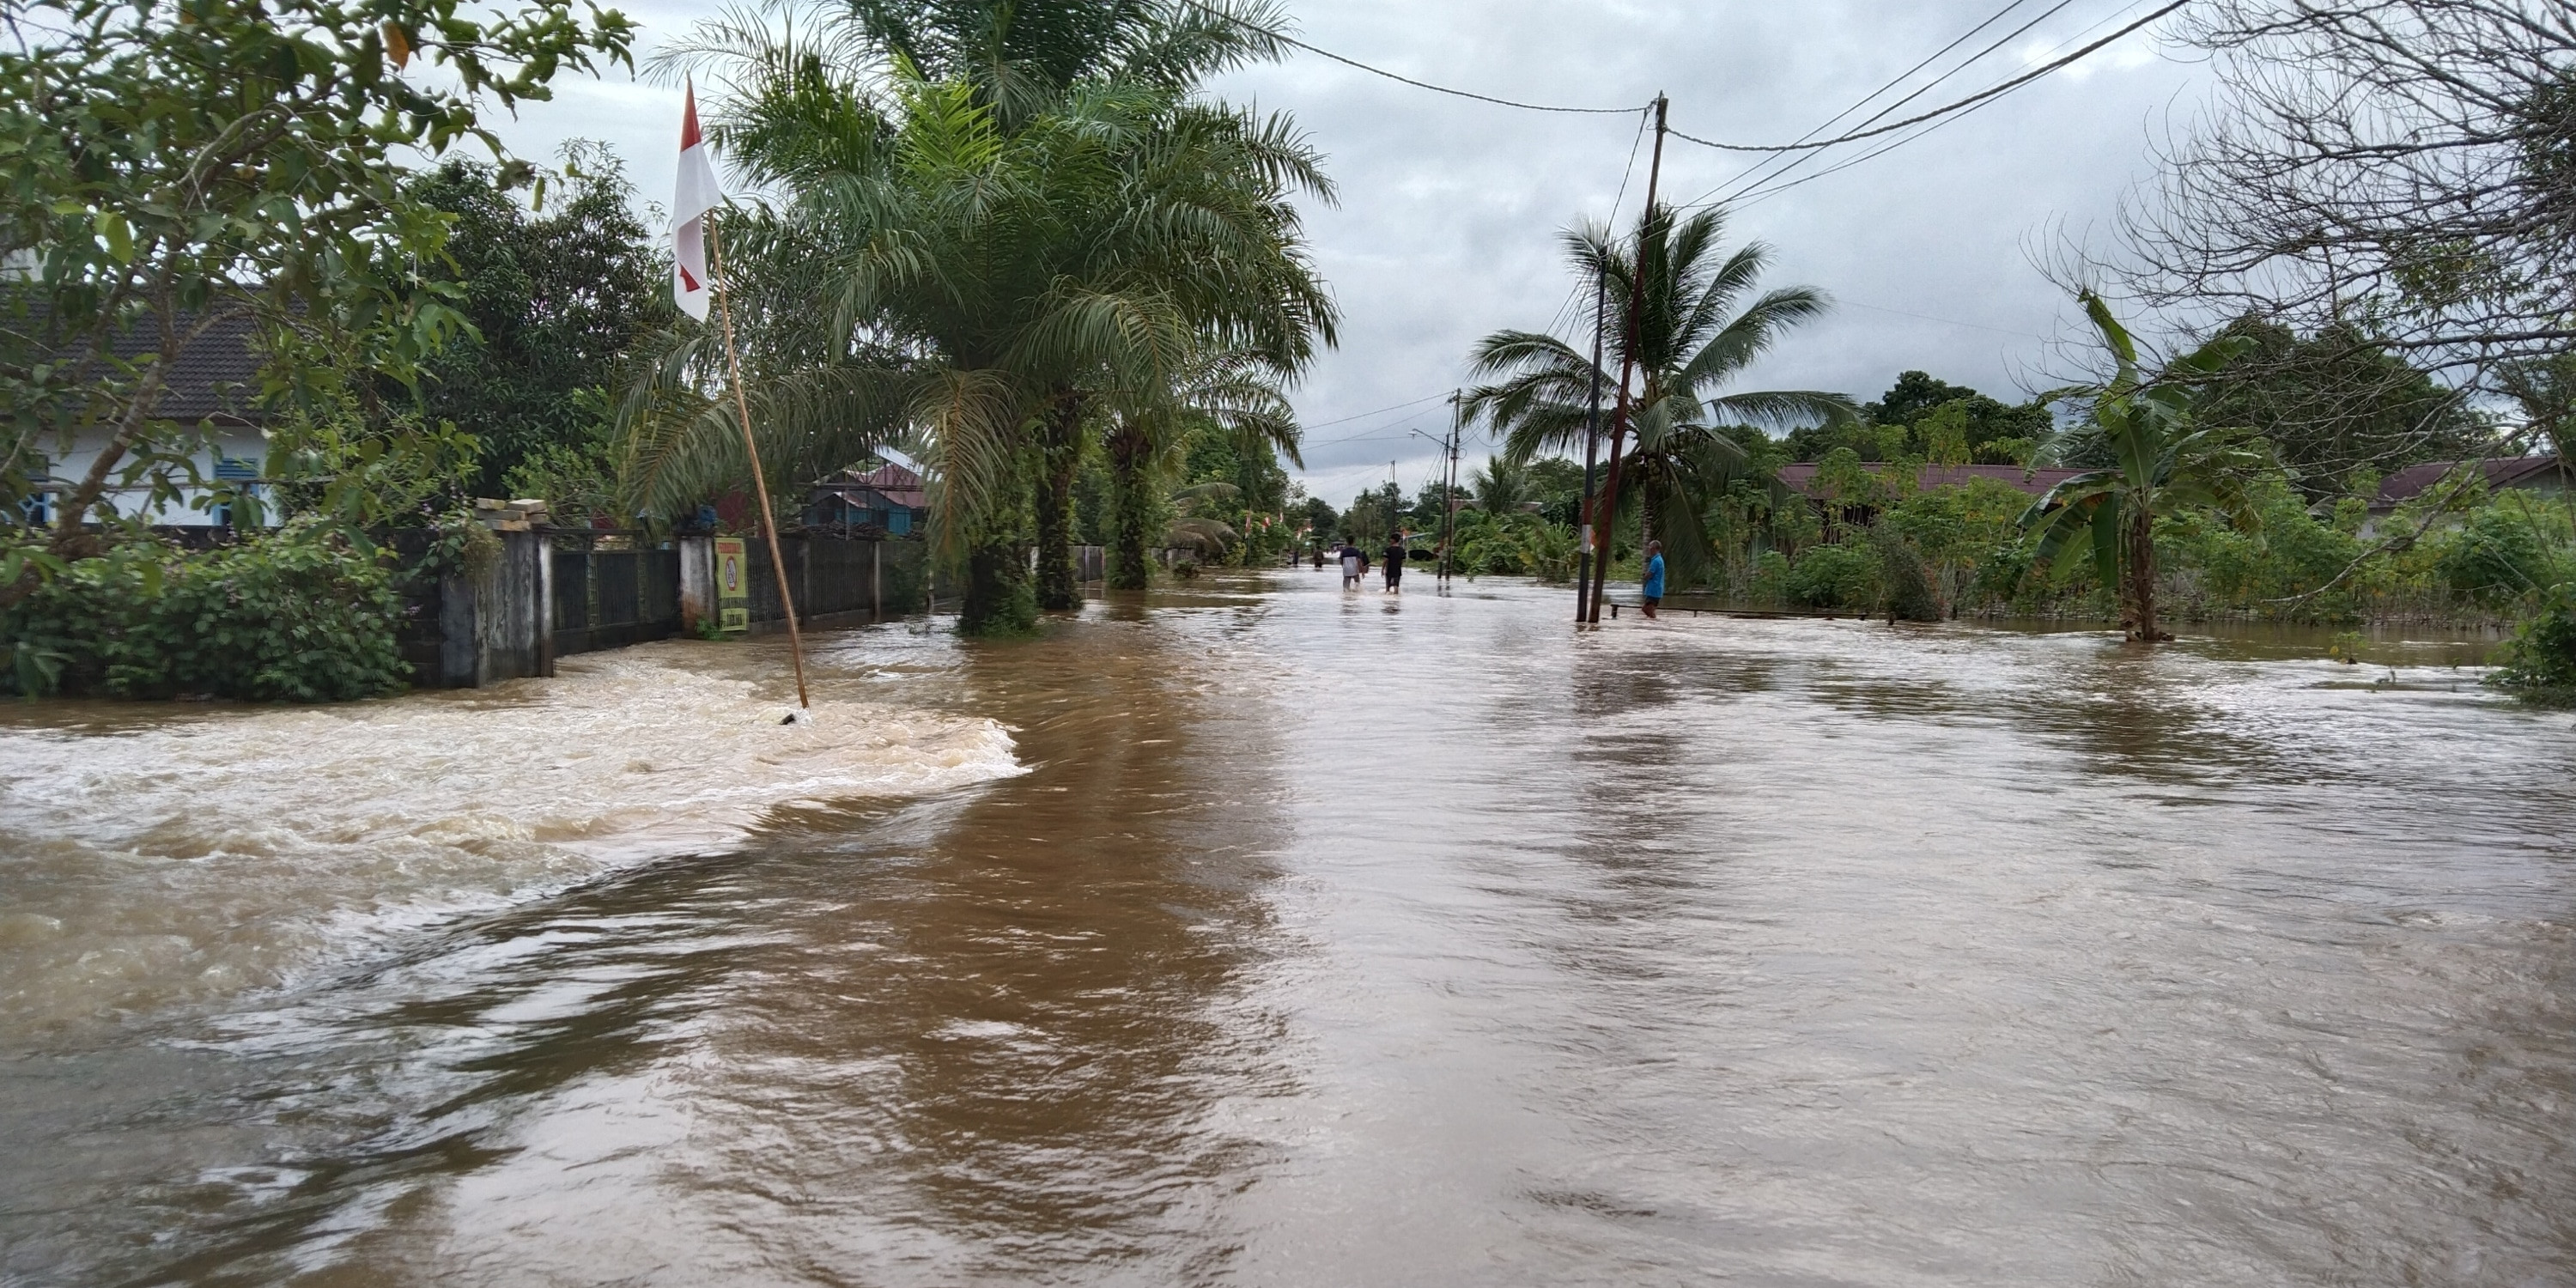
[1961, 105]
[1285, 39]
[1747, 179]
[1773, 185]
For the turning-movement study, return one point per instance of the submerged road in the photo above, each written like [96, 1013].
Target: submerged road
[1317, 939]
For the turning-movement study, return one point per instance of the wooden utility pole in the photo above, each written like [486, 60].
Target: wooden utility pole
[1591, 453]
[1607, 511]
[759, 481]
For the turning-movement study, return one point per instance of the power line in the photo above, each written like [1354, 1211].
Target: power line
[1981, 96]
[1326, 424]
[1768, 189]
[1745, 180]
[1285, 39]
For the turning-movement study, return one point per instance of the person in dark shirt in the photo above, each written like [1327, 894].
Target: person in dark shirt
[1395, 565]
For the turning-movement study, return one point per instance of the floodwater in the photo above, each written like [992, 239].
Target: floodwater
[1277, 935]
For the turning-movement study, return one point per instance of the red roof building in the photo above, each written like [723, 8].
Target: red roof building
[2534, 473]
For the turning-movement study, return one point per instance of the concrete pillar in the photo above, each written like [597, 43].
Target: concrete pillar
[697, 582]
[545, 616]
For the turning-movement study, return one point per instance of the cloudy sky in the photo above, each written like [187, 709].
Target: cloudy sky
[1449, 212]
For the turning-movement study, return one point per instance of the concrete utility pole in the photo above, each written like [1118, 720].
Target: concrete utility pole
[1607, 511]
[1591, 455]
[1449, 482]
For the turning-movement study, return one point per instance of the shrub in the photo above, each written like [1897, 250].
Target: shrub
[2540, 660]
[293, 616]
[2496, 557]
[1839, 576]
[1905, 584]
[1771, 577]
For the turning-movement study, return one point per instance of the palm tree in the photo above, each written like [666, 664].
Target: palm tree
[1000, 268]
[1697, 327]
[2148, 454]
[1501, 486]
[1235, 390]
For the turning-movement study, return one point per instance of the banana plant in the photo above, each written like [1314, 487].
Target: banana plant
[2145, 453]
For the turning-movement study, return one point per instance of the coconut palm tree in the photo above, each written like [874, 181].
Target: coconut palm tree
[2148, 454]
[1698, 325]
[1501, 486]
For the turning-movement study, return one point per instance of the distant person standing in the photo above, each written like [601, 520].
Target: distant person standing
[1395, 565]
[1319, 556]
[1654, 587]
[1353, 564]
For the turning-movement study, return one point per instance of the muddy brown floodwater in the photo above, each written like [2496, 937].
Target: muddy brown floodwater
[1275, 935]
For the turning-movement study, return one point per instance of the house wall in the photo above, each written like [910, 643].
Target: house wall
[188, 510]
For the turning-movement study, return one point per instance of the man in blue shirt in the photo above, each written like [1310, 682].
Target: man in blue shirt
[1654, 587]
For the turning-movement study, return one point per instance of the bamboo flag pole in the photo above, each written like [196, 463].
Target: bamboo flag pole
[759, 480]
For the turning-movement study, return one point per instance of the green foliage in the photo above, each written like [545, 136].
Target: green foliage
[1952, 532]
[173, 170]
[2148, 451]
[1701, 321]
[1770, 579]
[2539, 662]
[1846, 578]
[299, 615]
[2498, 556]
[558, 295]
[997, 231]
[2333, 405]
[1513, 544]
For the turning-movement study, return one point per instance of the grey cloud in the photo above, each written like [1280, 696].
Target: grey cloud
[1449, 214]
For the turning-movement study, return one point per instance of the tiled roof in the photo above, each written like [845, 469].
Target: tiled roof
[1802, 476]
[213, 377]
[2505, 471]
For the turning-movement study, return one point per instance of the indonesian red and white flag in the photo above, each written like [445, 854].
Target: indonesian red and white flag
[698, 194]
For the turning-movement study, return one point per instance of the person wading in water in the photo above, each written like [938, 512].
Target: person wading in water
[1654, 587]
[1353, 564]
[1395, 564]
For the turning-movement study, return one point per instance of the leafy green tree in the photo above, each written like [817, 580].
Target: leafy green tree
[1556, 483]
[1320, 519]
[1914, 395]
[1698, 326]
[2149, 452]
[1918, 406]
[2334, 405]
[557, 296]
[174, 169]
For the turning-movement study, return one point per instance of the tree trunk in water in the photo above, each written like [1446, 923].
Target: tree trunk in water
[1132, 513]
[1061, 456]
[998, 599]
[2142, 576]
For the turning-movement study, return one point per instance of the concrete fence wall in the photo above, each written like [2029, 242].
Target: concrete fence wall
[597, 591]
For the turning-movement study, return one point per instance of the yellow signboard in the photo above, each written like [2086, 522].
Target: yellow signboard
[733, 585]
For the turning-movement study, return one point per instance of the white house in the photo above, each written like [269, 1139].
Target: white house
[209, 387]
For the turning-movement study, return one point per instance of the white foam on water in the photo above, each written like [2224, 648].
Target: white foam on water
[156, 857]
